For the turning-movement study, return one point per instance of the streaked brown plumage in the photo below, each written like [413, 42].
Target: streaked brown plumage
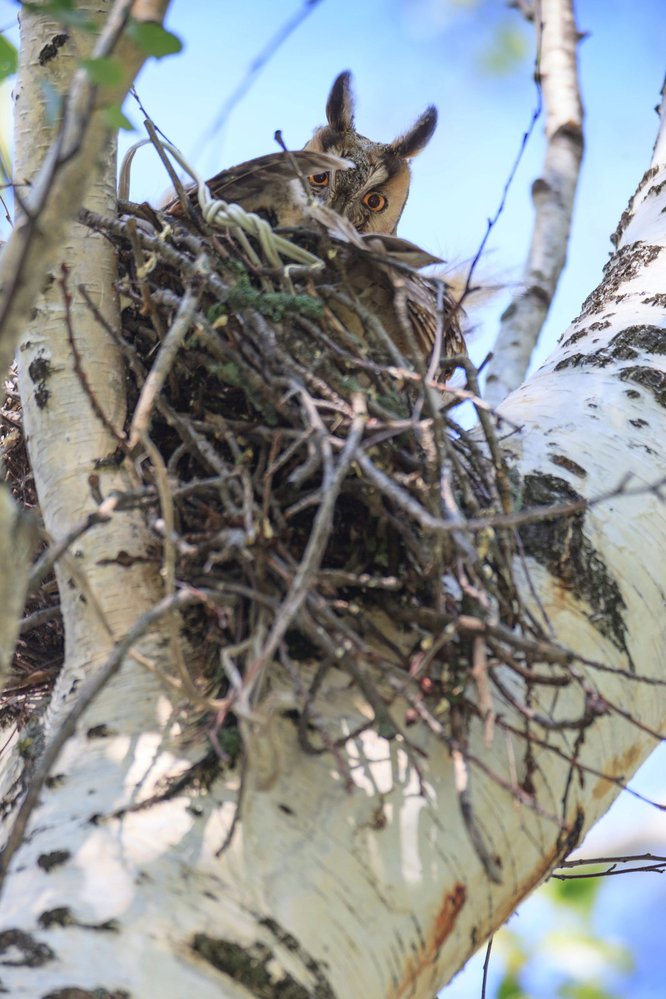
[269, 185]
[381, 270]
[357, 192]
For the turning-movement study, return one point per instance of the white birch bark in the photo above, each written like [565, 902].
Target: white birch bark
[553, 195]
[74, 160]
[378, 892]
[65, 436]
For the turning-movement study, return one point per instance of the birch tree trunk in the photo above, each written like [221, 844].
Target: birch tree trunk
[553, 196]
[132, 877]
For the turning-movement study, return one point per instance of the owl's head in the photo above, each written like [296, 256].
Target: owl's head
[373, 195]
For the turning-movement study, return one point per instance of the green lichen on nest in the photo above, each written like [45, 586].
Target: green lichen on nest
[274, 305]
[316, 489]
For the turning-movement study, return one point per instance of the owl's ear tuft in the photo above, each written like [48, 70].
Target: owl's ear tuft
[340, 104]
[417, 138]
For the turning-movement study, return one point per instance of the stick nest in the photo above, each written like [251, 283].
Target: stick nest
[324, 499]
[318, 484]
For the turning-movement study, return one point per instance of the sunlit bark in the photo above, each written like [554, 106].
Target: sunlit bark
[321, 891]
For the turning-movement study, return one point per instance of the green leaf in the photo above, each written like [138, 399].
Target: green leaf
[584, 990]
[105, 72]
[117, 119]
[508, 50]
[8, 58]
[153, 38]
[509, 988]
[63, 11]
[577, 893]
[595, 954]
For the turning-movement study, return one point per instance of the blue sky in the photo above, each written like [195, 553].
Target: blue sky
[406, 54]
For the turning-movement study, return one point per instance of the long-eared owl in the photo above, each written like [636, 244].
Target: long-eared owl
[373, 194]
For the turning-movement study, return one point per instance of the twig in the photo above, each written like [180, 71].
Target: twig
[650, 863]
[492, 222]
[38, 618]
[162, 365]
[56, 550]
[56, 192]
[89, 691]
[117, 435]
[166, 163]
[515, 790]
[491, 863]
[480, 676]
[143, 267]
[257, 65]
[169, 565]
[486, 966]
[553, 194]
[332, 483]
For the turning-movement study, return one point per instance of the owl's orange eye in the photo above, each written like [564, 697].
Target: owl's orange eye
[375, 201]
[319, 179]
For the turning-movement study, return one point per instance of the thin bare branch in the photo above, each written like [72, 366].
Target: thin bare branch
[88, 693]
[640, 863]
[57, 191]
[553, 194]
[258, 64]
[163, 362]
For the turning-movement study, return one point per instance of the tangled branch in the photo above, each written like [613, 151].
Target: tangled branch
[315, 493]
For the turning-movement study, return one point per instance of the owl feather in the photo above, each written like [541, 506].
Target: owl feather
[273, 186]
[356, 190]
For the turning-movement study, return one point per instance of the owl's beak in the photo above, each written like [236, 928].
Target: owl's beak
[341, 206]
[337, 202]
